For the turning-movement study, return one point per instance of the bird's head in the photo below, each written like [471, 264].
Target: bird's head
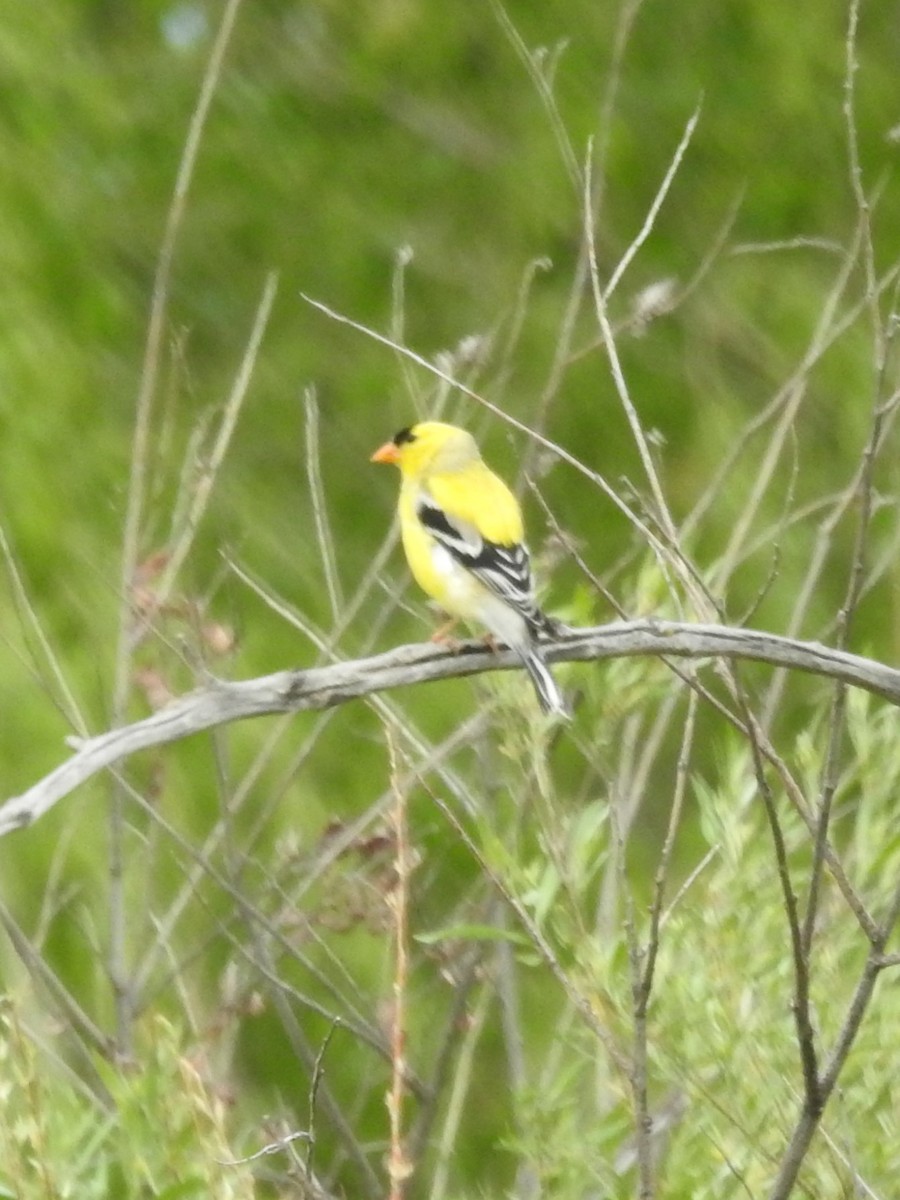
[427, 447]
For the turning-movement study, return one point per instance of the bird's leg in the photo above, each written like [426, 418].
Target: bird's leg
[441, 635]
[491, 642]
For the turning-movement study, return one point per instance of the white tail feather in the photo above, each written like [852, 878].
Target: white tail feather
[549, 696]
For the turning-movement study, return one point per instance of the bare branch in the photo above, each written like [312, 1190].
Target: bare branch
[324, 687]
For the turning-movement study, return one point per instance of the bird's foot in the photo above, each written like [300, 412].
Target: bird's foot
[441, 636]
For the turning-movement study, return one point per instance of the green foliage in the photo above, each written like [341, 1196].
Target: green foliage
[724, 1073]
[151, 1127]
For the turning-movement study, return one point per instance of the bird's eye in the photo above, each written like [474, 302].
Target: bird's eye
[404, 436]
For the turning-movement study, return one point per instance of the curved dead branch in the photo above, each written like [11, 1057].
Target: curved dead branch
[222, 702]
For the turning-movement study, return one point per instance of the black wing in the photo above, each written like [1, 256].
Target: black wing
[504, 569]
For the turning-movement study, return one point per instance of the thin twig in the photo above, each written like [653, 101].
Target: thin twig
[662, 511]
[402, 258]
[437, 370]
[71, 1014]
[137, 486]
[809, 1118]
[584, 1003]
[668, 550]
[806, 1040]
[665, 859]
[399, 1167]
[452, 1048]
[544, 91]
[606, 123]
[653, 212]
[317, 1076]
[637, 1073]
[448, 1140]
[156, 324]
[863, 491]
[324, 536]
[829, 329]
[562, 356]
[203, 486]
[65, 699]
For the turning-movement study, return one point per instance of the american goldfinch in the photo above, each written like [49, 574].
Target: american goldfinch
[462, 532]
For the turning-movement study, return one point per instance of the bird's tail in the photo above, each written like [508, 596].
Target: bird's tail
[549, 696]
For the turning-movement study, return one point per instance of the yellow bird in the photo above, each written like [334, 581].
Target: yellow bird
[463, 535]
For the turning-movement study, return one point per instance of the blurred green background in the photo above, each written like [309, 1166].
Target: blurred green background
[339, 135]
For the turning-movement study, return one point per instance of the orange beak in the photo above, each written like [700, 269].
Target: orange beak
[388, 453]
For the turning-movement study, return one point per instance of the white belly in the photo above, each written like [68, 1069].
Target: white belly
[468, 598]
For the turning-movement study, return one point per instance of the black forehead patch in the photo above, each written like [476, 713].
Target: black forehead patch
[404, 436]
